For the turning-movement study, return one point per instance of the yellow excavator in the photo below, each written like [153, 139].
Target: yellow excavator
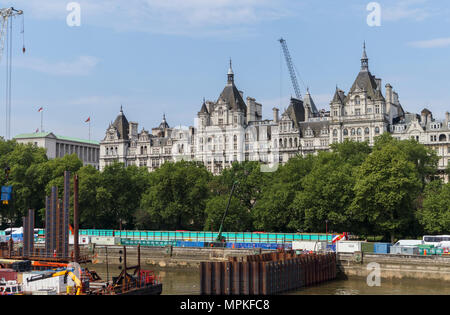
[65, 273]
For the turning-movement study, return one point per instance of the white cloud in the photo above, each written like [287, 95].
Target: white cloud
[431, 43]
[185, 17]
[81, 66]
[417, 10]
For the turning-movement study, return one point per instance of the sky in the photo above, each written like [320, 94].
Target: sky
[164, 56]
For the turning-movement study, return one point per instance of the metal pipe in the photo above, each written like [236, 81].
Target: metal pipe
[76, 247]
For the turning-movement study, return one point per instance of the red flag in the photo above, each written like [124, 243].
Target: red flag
[88, 120]
[41, 109]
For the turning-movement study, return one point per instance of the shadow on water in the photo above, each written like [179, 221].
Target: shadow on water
[186, 281]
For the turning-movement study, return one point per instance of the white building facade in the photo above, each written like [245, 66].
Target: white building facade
[56, 146]
[231, 129]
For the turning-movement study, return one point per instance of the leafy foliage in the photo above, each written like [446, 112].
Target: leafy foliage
[379, 190]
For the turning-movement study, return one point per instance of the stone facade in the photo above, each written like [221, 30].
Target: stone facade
[56, 146]
[231, 129]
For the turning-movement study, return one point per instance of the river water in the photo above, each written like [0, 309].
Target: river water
[186, 281]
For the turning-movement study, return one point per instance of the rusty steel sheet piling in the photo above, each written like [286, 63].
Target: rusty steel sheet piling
[266, 274]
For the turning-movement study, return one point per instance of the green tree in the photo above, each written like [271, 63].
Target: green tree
[27, 177]
[434, 215]
[119, 195]
[238, 218]
[273, 212]
[327, 194]
[89, 180]
[177, 196]
[386, 189]
[425, 159]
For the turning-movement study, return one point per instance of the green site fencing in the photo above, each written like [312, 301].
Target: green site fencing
[130, 242]
[200, 236]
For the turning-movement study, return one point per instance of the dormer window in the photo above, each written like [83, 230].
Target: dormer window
[357, 100]
[435, 126]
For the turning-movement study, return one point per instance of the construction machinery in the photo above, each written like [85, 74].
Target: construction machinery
[292, 71]
[65, 273]
[220, 237]
[6, 35]
[290, 66]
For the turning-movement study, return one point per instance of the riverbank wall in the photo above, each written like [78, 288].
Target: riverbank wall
[390, 266]
[348, 265]
[169, 256]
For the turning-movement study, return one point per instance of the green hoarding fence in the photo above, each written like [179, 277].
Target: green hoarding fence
[201, 236]
[133, 242]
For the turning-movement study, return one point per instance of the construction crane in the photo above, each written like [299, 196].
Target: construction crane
[66, 273]
[290, 66]
[220, 237]
[6, 16]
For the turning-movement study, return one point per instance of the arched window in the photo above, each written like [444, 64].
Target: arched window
[295, 142]
[377, 130]
[290, 142]
[345, 132]
[335, 133]
[285, 142]
[359, 131]
[442, 137]
[281, 143]
[353, 131]
[367, 131]
[357, 100]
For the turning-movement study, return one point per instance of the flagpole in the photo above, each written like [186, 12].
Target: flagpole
[89, 129]
[42, 120]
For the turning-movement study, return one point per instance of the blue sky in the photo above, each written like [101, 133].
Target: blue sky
[164, 56]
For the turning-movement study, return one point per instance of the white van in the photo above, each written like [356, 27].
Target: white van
[444, 244]
[409, 243]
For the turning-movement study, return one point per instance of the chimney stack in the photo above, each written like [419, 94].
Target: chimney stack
[275, 114]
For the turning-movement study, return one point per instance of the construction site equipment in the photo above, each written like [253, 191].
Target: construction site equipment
[6, 36]
[65, 273]
[219, 237]
[290, 66]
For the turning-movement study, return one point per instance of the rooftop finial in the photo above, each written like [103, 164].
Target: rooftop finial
[230, 74]
[364, 59]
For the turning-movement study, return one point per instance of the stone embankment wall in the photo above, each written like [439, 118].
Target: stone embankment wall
[395, 266]
[348, 265]
[169, 256]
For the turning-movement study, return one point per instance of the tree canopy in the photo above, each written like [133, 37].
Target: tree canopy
[391, 189]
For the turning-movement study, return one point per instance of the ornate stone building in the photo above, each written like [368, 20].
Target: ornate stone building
[233, 129]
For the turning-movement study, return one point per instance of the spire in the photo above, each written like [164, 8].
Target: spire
[203, 110]
[121, 110]
[230, 74]
[364, 60]
[164, 123]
